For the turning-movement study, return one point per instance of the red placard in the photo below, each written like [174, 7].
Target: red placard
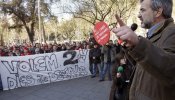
[120, 41]
[101, 33]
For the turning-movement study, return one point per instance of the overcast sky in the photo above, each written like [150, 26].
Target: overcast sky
[57, 9]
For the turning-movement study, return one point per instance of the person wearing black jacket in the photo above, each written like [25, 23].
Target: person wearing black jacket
[121, 75]
[95, 55]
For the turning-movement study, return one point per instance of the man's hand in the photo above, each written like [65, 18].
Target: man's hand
[127, 35]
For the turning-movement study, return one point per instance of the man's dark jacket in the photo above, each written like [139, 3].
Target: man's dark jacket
[154, 77]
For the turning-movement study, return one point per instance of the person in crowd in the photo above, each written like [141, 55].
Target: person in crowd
[73, 46]
[37, 51]
[10, 53]
[78, 46]
[41, 49]
[50, 48]
[102, 59]
[96, 62]
[68, 46]
[59, 47]
[87, 46]
[121, 80]
[55, 48]
[84, 44]
[46, 50]
[90, 60]
[121, 74]
[92, 40]
[2, 52]
[63, 47]
[154, 55]
[5, 50]
[109, 54]
[26, 52]
[17, 52]
[112, 96]
[13, 48]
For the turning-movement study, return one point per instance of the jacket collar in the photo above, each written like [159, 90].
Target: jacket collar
[157, 32]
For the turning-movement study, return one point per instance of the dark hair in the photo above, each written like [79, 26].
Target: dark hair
[91, 33]
[119, 56]
[166, 5]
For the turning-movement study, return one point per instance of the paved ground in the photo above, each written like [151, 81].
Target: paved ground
[84, 88]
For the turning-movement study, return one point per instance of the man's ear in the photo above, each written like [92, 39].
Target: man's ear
[159, 12]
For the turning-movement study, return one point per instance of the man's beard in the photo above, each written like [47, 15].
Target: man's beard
[147, 25]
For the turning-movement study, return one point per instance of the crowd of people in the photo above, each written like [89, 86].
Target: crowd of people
[101, 58]
[145, 65]
[37, 48]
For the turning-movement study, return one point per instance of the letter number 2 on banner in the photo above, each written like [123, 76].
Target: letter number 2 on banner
[70, 61]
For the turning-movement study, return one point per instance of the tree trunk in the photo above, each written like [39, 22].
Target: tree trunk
[30, 34]
[43, 33]
[2, 40]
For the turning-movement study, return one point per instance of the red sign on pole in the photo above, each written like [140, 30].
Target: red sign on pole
[101, 33]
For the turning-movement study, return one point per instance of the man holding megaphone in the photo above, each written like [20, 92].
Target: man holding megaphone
[154, 77]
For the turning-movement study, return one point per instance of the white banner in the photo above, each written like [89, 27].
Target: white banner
[23, 71]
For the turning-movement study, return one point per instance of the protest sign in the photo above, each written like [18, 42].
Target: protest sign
[101, 33]
[23, 71]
